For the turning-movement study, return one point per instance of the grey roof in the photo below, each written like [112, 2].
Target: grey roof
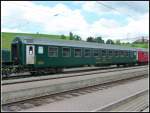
[72, 43]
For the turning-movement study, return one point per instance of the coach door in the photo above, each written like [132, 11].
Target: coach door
[30, 54]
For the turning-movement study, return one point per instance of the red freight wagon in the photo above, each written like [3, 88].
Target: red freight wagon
[142, 57]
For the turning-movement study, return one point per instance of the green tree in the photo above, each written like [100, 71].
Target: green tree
[77, 37]
[99, 40]
[90, 39]
[71, 37]
[63, 37]
[118, 42]
[127, 42]
[109, 41]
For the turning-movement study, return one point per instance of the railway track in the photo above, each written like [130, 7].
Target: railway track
[66, 75]
[66, 71]
[24, 91]
[35, 102]
[134, 102]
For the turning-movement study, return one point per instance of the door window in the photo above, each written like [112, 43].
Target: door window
[40, 49]
[30, 50]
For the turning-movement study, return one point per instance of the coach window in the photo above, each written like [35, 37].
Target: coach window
[87, 52]
[100, 52]
[131, 53]
[52, 51]
[30, 50]
[121, 53]
[66, 52]
[40, 50]
[110, 53]
[116, 53]
[103, 52]
[77, 52]
[126, 53]
[95, 53]
[135, 53]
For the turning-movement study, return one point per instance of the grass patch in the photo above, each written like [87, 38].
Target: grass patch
[7, 37]
[143, 45]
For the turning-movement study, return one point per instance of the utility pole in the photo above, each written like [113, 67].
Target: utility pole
[143, 39]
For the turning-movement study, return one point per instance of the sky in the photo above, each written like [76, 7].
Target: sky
[122, 20]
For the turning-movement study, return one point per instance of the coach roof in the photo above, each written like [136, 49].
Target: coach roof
[70, 43]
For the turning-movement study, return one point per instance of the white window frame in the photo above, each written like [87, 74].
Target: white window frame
[105, 52]
[42, 48]
[30, 51]
[81, 52]
[94, 52]
[110, 54]
[56, 51]
[85, 50]
[69, 51]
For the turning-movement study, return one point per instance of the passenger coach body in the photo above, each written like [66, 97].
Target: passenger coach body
[142, 56]
[6, 57]
[44, 53]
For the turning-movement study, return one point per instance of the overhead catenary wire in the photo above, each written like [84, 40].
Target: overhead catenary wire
[26, 6]
[99, 2]
[112, 8]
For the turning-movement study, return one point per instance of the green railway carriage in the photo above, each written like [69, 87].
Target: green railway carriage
[6, 56]
[45, 53]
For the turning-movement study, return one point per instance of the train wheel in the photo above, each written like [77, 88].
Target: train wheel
[59, 70]
[33, 73]
[125, 65]
[118, 65]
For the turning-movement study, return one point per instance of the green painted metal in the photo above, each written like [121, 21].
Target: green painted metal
[6, 55]
[43, 60]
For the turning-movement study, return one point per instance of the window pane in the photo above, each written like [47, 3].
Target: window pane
[103, 52]
[87, 52]
[135, 53]
[110, 52]
[121, 53]
[100, 52]
[66, 52]
[30, 50]
[131, 54]
[116, 53]
[95, 52]
[126, 53]
[52, 51]
[40, 50]
[77, 52]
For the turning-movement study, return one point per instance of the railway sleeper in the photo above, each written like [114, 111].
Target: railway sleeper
[44, 71]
